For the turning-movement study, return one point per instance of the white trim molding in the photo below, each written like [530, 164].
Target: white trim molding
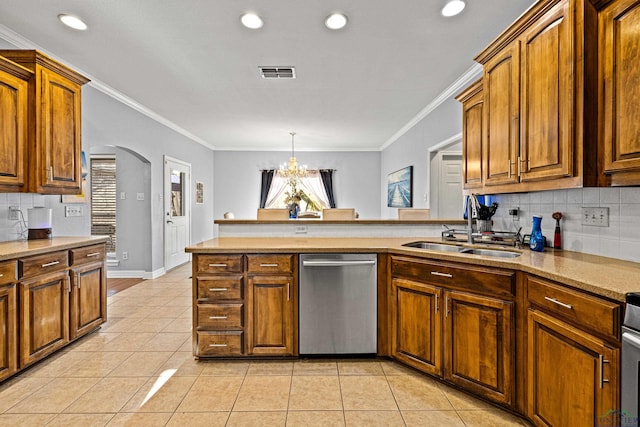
[130, 274]
[447, 142]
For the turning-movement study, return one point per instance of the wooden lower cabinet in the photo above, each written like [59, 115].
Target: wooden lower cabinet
[416, 325]
[271, 315]
[8, 331]
[478, 345]
[572, 375]
[44, 315]
[88, 305]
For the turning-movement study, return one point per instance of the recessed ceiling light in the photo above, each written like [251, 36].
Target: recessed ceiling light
[335, 21]
[72, 21]
[251, 20]
[452, 8]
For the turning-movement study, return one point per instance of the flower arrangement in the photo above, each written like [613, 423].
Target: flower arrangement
[294, 196]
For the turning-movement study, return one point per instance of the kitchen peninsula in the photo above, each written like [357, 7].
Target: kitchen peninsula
[485, 324]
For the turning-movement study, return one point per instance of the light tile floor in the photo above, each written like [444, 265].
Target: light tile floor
[138, 370]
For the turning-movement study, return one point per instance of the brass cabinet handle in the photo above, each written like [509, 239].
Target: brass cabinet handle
[218, 289]
[218, 345]
[93, 254]
[269, 265]
[49, 264]
[218, 317]
[560, 303]
[217, 265]
[437, 273]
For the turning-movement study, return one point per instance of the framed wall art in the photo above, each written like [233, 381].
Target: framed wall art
[199, 192]
[400, 188]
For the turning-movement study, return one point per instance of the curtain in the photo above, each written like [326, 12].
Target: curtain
[312, 184]
[267, 177]
[278, 186]
[327, 181]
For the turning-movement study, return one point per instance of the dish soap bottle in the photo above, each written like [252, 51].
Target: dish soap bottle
[536, 241]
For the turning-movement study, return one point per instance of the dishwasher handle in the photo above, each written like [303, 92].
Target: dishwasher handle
[631, 339]
[336, 263]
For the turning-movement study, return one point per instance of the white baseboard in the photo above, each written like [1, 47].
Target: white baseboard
[154, 274]
[125, 274]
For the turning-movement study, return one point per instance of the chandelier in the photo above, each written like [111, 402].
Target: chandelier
[292, 171]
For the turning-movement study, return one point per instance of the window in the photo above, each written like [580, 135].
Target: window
[103, 199]
[314, 197]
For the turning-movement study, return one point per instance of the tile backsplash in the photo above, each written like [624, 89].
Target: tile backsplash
[14, 229]
[621, 239]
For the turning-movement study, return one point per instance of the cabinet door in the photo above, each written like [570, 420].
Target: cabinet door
[13, 131]
[44, 315]
[416, 325]
[472, 138]
[479, 342]
[8, 333]
[59, 138]
[88, 298]
[564, 365]
[501, 85]
[270, 317]
[546, 120]
[620, 48]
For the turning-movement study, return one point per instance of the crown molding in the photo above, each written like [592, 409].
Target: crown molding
[23, 43]
[468, 77]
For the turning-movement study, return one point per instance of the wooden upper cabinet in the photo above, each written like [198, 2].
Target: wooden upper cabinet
[13, 125]
[472, 105]
[619, 26]
[501, 112]
[546, 121]
[54, 103]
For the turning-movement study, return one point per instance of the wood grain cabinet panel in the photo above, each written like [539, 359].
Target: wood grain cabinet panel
[271, 314]
[14, 89]
[479, 342]
[88, 306]
[44, 315]
[573, 377]
[619, 24]
[472, 133]
[8, 331]
[54, 157]
[416, 325]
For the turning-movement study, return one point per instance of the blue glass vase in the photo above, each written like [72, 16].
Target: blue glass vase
[536, 241]
[294, 210]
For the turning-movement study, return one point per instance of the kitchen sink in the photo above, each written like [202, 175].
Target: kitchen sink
[490, 253]
[434, 246]
[462, 250]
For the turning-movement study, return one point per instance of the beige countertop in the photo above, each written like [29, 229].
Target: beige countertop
[607, 277]
[22, 248]
[352, 221]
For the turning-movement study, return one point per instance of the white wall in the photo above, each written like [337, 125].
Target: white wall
[412, 149]
[237, 179]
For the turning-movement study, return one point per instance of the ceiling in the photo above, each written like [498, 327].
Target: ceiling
[192, 64]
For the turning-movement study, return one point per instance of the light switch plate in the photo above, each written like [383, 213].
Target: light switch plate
[139, 196]
[598, 217]
[72, 211]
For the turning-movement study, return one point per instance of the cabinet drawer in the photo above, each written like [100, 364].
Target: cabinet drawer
[219, 263]
[32, 266]
[87, 254]
[220, 316]
[7, 272]
[492, 281]
[583, 310]
[270, 263]
[216, 288]
[220, 343]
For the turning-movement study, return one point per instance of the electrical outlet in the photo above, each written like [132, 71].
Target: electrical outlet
[514, 213]
[125, 255]
[14, 213]
[139, 196]
[72, 211]
[301, 229]
[598, 217]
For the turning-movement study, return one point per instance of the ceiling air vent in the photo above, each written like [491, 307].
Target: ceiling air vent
[278, 72]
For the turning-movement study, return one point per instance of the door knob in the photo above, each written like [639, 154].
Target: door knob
[169, 221]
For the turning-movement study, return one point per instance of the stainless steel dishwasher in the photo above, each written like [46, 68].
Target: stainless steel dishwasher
[338, 304]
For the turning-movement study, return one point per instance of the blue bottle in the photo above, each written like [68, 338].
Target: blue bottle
[536, 241]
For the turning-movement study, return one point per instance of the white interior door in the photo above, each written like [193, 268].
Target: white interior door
[450, 198]
[177, 227]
